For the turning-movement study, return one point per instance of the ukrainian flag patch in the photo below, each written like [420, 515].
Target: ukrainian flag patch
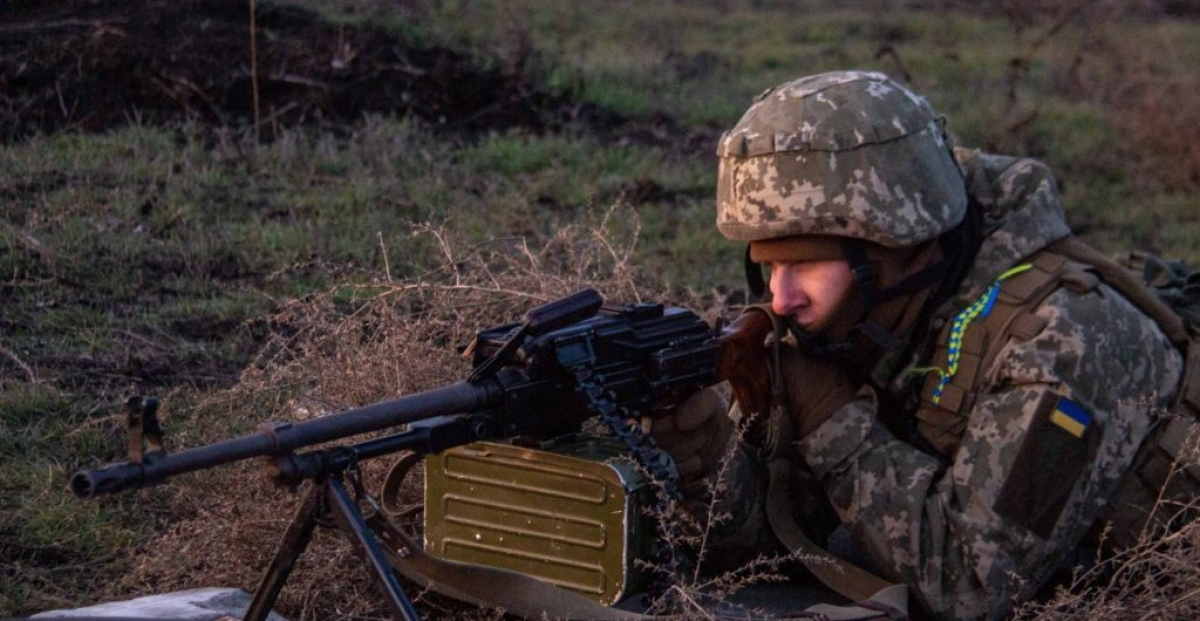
[1071, 417]
[1058, 449]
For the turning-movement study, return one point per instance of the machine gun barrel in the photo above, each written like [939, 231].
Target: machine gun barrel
[643, 359]
[569, 360]
[274, 439]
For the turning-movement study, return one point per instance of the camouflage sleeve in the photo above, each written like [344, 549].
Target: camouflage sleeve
[734, 519]
[949, 531]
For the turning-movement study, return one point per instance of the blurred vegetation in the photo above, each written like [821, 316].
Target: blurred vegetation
[1094, 89]
[146, 258]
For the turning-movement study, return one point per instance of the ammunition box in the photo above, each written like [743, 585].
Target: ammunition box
[571, 514]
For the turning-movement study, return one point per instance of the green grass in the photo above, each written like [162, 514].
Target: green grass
[44, 532]
[144, 259]
[154, 254]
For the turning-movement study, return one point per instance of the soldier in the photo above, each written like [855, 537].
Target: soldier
[952, 378]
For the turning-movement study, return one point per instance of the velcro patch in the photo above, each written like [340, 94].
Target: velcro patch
[1057, 449]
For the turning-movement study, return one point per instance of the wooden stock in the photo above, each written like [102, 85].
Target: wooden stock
[744, 362]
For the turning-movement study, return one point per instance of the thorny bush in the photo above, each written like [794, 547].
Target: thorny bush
[352, 345]
[382, 338]
[1157, 578]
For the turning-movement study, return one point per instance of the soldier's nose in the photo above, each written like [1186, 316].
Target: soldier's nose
[786, 294]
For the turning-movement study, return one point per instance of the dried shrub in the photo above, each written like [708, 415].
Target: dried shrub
[1157, 578]
[349, 346]
[695, 590]
[1157, 115]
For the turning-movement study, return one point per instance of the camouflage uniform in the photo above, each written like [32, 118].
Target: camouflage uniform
[927, 520]
[932, 525]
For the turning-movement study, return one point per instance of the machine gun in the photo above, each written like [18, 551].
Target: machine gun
[569, 360]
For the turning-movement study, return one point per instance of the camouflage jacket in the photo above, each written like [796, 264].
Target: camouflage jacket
[933, 522]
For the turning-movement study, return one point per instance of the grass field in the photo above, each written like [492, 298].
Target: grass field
[159, 247]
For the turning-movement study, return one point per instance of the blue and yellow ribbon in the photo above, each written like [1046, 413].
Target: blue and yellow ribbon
[979, 308]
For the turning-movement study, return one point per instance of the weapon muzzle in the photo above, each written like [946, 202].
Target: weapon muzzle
[109, 480]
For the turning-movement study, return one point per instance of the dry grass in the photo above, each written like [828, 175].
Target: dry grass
[353, 345]
[696, 592]
[348, 346]
[1157, 578]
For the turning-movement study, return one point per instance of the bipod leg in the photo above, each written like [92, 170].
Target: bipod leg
[345, 509]
[295, 540]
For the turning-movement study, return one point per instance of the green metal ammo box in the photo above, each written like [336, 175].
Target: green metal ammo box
[570, 514]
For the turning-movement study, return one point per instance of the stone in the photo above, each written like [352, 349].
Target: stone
[207, 604]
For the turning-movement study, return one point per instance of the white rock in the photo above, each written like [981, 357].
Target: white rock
[209, 604]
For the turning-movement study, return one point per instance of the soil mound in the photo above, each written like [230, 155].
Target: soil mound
[93, 64]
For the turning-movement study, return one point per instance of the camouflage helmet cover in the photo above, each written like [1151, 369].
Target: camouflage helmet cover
[848, 154]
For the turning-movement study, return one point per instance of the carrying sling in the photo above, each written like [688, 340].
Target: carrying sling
[528, 597]
[839, 575]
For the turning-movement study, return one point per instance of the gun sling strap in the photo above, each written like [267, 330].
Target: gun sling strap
[841, 576]
[528, 597]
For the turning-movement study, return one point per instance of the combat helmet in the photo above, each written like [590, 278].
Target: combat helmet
[847, 154]
[846, 163]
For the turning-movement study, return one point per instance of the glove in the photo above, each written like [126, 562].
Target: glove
[695, 435]
[816, 388]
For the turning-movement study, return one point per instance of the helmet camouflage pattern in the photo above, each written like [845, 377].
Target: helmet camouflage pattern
[848, 154]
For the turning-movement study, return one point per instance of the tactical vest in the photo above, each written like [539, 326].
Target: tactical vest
[1156, 478]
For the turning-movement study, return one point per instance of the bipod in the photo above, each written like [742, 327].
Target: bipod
[327, 469]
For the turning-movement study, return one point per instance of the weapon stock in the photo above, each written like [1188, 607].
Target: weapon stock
[743, 362]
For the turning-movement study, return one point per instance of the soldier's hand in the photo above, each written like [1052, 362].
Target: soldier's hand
[816, 388]
[695, 435]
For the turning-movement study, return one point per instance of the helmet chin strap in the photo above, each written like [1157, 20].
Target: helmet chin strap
[754, 277]
[958, 249]
[866, 280]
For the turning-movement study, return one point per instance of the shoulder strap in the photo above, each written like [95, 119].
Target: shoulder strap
[841, 576]
[1066, 262]
[1128, 285]
[968, 346]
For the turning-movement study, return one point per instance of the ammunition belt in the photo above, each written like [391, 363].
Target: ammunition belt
[667, 552]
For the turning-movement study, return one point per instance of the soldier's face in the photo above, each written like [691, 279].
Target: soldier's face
[811, 292]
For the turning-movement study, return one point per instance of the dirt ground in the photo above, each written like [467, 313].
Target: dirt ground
[93, 64]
